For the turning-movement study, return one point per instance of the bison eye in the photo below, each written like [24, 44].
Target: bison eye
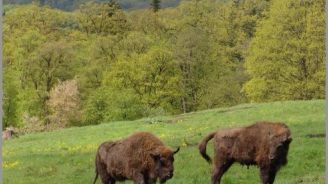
[163, 162]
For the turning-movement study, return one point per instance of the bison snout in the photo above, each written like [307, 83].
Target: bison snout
[169, 175]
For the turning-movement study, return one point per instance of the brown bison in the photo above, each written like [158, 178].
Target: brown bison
[141, 157]
[263, 144]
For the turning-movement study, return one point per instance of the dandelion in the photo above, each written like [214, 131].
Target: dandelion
[9, 165]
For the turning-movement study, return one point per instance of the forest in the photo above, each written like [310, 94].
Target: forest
[69, 5]
[100, 63]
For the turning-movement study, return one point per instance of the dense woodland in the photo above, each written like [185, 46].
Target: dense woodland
[69, 5]
[100, 63]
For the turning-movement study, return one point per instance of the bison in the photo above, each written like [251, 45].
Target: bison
[264, 144]
[141, 157]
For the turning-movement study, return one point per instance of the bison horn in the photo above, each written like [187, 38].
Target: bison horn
[176, 151]
[287, 139]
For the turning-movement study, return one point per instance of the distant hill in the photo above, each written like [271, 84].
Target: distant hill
[73, 4]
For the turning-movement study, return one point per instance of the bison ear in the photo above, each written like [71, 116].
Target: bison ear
[176, 151]
[289, 139]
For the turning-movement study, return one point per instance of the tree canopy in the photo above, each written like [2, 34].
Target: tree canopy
[286, 57]
[70, 5]
[114, 64]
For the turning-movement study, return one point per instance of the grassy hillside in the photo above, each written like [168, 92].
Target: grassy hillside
[67, 156]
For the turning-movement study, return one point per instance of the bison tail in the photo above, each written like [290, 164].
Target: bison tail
[202, 147]
[94, 181]
[96, 163]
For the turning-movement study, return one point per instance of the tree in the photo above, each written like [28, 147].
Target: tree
[152, 76]
[45, 67]
[71, 5]
[107, 104]
[49, 22]
[286, 58]
[129, 64]
[11, 98]
[156, 5]
[192, 55]
[64, 103]
[102, 18]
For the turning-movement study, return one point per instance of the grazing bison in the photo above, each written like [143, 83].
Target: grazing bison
[141, 157]
[263, 144]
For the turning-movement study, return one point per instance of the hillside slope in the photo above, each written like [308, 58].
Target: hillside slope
[67, 156]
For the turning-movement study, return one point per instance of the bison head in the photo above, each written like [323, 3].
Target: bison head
[279, 145]
[164, 159]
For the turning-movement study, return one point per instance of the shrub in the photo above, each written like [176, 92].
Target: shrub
[107, 104]
[64, 104]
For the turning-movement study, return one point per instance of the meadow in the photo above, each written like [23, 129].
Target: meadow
[67, 155]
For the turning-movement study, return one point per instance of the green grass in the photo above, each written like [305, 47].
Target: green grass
[67, 156]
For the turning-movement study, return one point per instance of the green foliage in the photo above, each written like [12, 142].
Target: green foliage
[155, 84]
[107, 104]
[123, 105]
[36, 56]
[10, 101]
[192, 57]
[131, 64]
[45, 68]
[286, 58]
[95, 108]
[102, 18]
[74, 4]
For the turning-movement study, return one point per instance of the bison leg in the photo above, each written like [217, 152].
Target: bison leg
[107, 180]
[139, 179]
[111, 181]
[268, 175]
[219, 170]
[104, 176]
[149, 180]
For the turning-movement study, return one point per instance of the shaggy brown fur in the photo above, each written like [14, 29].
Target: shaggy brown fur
[263, 144]
[141, 157]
